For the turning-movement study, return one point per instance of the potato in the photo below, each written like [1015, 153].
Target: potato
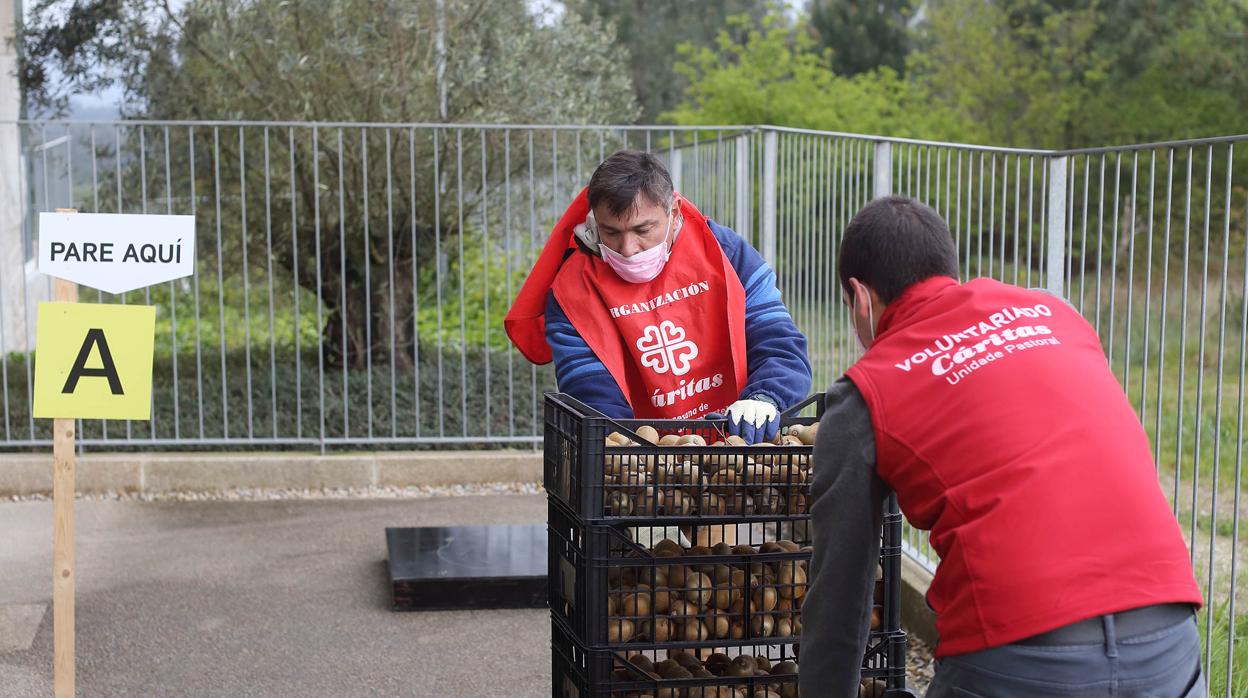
[710, 504]
[682, 611]
[721, 549]
[722, 574]
[788, 474]
[809, 434]
[762, 625]
[768, 500]
[636, 604]
[696, 631]
[722, 597]
[796, 504]
[791, 580]
[615, 438]
[784, 668]
[755, 476]
[765, 693]
[872, 688]
[791, 440]
[743, 665]
[648, 433]
[647, 501]
[669, 440]
[660, 630]
[676, 575]
[770, 546]
[765, 598]
[642, 662]
[618, 503]
[619, 630]
[666, 667]
[740, 504]
[725, 483]
[718, 623]
[668, 544]
[685, 473]
[743, 550]
[784, 628]
[684, 658]
[691, 440]
[677, 502]
[699, 589]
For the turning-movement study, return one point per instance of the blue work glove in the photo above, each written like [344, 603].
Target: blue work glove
[756, 419]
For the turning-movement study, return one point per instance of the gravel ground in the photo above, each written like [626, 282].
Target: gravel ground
[250, 494]
[919, 665]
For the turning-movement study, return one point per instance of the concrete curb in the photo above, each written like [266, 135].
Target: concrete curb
[918, 619]
[22, 474]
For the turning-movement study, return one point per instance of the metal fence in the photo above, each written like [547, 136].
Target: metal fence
[352, 278]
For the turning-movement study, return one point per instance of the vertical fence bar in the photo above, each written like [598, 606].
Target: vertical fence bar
[390, 249]
[882, 181]
[770, 154]
[1217, 419]
[268, 257]
[1056, 212]
[368, 286]
[242, 204]
[411, 161]
[742, 173]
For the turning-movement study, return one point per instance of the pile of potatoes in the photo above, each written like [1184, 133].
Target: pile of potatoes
[682, 484]
[685, 665]
[692, 602]
[700, 602]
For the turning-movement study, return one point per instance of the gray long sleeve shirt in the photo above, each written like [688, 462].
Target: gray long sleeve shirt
[846, 510]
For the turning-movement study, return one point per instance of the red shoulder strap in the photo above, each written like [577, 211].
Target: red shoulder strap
[525, 322]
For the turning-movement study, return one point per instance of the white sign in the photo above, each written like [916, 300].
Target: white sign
[116, 252]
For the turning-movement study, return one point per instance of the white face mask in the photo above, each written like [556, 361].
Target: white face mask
[642, 266]
[862, 348]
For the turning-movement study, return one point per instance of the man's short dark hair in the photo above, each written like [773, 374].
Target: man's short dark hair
[893, 243]
[618, 180]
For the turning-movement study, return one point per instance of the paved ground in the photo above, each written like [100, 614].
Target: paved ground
[284, 598]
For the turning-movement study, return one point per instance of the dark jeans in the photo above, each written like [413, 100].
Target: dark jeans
[1163, 663]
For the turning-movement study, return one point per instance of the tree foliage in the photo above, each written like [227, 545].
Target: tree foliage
[862, 34]
[652, 29]
[363, 61]
[775, 74]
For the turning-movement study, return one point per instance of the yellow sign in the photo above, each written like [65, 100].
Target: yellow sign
[94, 361]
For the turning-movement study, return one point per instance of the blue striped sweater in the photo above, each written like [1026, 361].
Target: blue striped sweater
[777, 366]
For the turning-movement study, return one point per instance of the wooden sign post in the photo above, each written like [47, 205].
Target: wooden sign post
[63, 474]
[72, 338]
[63, 467]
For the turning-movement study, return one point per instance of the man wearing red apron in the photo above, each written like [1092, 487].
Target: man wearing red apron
[991, 411]
[649, 309]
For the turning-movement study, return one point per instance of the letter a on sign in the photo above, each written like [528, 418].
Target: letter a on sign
[94, 361]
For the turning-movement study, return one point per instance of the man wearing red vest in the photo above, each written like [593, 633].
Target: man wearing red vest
[649, 309]
[992, 412]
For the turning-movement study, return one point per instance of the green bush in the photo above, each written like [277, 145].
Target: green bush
[286, 403]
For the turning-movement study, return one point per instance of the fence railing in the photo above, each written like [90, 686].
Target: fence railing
[352, 278]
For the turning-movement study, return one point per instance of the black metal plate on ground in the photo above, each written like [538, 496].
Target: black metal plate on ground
[454, 567]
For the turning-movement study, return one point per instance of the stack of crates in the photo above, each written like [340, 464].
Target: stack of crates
[680, 569]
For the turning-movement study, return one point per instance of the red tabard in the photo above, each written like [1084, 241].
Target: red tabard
[1004, 432]
[676, 344]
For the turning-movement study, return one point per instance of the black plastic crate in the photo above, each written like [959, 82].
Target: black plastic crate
[579, 672]
[601, 482]
[611, 591]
